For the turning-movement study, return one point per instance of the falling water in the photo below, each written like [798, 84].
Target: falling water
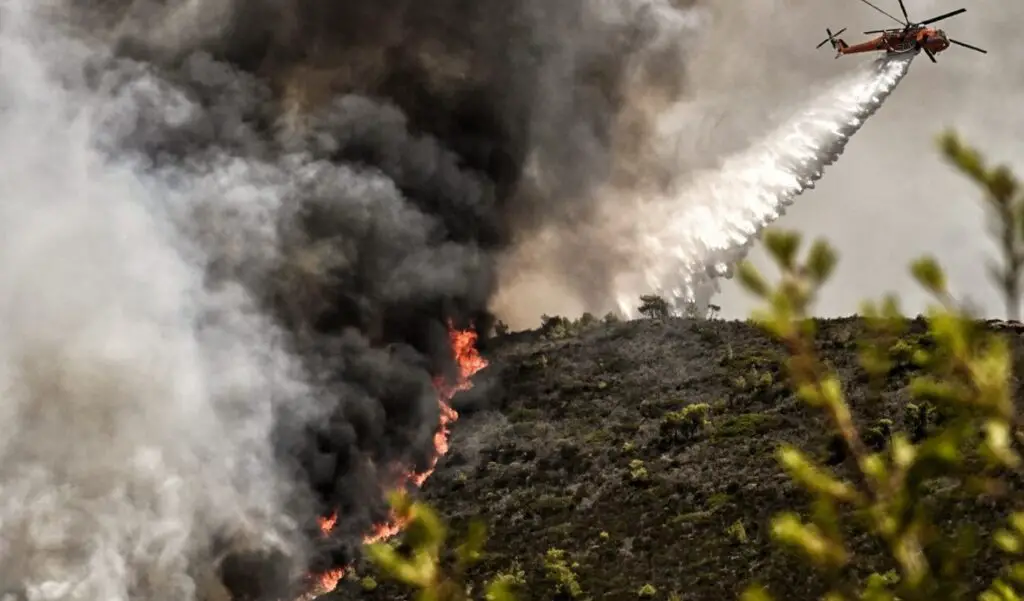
[696, 234]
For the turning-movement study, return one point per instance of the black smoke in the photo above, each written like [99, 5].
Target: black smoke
[414, 141]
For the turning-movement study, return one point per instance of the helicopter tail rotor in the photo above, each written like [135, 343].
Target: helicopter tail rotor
[836, 43]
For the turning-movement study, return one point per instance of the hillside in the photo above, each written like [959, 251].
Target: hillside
[578, 451]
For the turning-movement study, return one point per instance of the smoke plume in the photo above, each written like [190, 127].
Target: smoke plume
[138, 397]
[233, 237]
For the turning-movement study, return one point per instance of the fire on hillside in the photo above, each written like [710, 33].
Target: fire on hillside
[469, 360]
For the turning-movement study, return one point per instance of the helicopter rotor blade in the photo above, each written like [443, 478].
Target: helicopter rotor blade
[930, 55]
[904, 9]
[883, 12]
[945, 16]
[875, 31]
[975, 48]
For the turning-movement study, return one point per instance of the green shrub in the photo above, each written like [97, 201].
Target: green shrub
[878, 435]
[746, 424]
[647, 591]
[653, 306]
[916, 418]
[737, 532]
[687, 422]
[510, 580]
[368, 583]
[1004, 198]
[638, 471]
[561, 573]
[555, 327]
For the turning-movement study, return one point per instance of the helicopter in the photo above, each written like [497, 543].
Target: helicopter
[912, 37]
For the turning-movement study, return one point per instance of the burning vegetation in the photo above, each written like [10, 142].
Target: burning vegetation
[469, 362]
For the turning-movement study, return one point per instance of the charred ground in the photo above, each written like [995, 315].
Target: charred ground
[584, 450]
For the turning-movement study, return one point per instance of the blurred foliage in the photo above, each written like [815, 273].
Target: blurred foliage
[1004, 198]
[421, 567]
[967, 372]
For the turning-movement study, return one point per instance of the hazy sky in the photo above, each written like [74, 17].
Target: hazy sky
[891, 197]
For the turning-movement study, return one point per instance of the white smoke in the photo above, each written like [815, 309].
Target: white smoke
[136, 401]
[706, 223]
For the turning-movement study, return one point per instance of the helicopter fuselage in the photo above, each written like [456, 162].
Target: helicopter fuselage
[901, 41]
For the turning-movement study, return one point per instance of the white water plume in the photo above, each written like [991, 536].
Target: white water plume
[697, 232]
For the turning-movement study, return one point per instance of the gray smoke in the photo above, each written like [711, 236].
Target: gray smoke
[138, 399]
[233, 234]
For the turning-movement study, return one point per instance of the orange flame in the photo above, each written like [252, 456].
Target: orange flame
[328, 581]
[327, 524]
[463, 344]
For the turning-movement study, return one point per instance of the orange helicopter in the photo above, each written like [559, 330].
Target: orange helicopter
[912, 37]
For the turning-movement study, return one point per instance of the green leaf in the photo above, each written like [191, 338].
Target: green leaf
[470, 550]
[832, 391]
[772, 324]
[1016, 573]
[950, 332]
[998, 443]
[499, 590]
[903, 452]
[874, 467]
[751, 279]
[816, 479]
[927, 388]
[1008, 541]
[1002, 185]
[810, 394]
[891, 311]
[877, 589]
[788, 529]
[418, 571]
[755, 592]
[782, 246]
[821, 261]
[999, 591]
[825, 515]
[929, 275]
[1017, 521]
[967, 160]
